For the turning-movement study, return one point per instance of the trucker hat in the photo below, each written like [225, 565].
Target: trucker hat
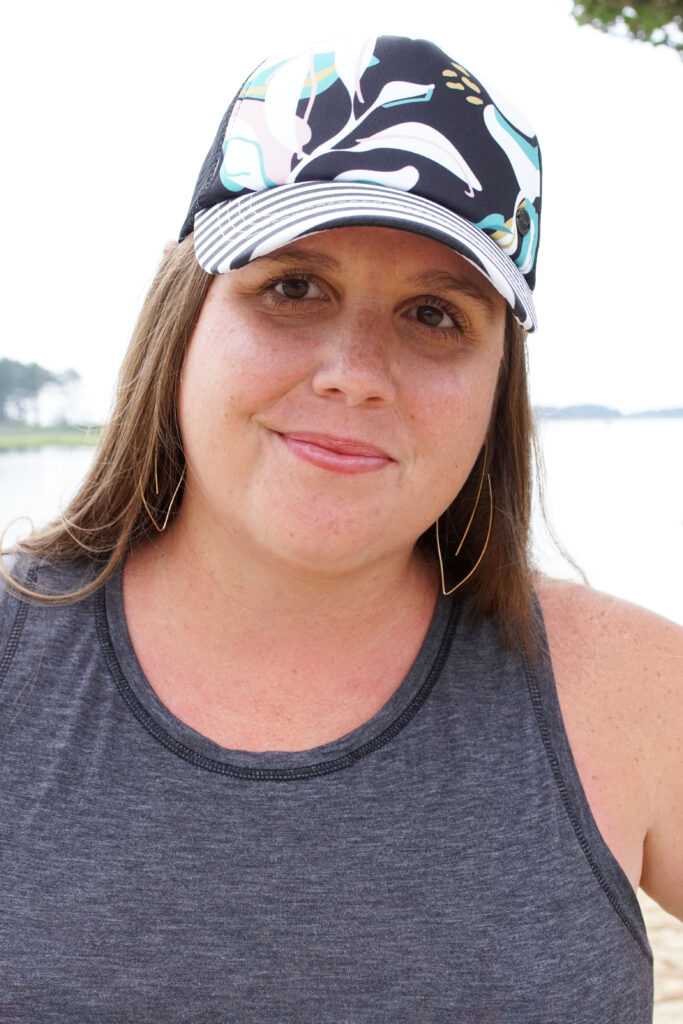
[386, 131]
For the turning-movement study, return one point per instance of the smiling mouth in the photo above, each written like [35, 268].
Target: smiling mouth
[337, 454]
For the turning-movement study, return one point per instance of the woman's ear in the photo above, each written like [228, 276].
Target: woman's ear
[169, 247]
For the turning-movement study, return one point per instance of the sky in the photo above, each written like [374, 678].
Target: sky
[109, 111]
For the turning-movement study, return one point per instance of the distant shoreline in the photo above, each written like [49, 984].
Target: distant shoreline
[601, 412]
[21, 436]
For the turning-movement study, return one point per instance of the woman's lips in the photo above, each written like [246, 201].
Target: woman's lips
[338, 454]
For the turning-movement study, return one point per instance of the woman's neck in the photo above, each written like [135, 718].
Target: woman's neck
[261, 656]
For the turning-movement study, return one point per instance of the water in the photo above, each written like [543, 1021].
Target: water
[615, 498]
[38, 482]
[614, 493]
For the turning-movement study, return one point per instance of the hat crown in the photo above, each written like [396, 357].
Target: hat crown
[386, 111]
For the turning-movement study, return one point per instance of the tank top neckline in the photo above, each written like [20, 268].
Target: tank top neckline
[336, 755]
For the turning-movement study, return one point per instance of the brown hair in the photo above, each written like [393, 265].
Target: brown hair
[138, 470]
[501, 585]
[139, 458]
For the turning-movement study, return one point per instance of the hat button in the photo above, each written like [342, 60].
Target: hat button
[523, 221]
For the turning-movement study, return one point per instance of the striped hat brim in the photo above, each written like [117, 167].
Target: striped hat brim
[237, 231]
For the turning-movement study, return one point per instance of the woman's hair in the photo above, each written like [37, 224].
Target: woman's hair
[138, 470]
[139, 459]
[496, 521]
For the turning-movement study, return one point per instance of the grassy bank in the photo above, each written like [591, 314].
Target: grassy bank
[21, 435]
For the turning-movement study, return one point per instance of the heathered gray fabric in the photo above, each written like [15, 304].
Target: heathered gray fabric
[439, 864]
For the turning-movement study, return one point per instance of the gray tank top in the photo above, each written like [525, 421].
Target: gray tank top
[438, 864]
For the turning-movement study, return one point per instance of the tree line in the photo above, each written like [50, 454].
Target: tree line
[659, 22]
[21, 384]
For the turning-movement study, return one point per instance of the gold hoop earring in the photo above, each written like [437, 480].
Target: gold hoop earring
[476, 565]
[160, 529]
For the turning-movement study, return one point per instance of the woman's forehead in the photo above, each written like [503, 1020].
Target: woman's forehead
[392, 251]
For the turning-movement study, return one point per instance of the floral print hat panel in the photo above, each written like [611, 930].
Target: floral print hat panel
[387, 131]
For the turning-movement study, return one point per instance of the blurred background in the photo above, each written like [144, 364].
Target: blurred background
[108, 113]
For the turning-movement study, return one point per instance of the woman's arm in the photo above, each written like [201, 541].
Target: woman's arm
[619, 673]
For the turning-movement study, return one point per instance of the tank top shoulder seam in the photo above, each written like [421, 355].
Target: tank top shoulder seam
[581, 837]
[182, 750]
[17, 629]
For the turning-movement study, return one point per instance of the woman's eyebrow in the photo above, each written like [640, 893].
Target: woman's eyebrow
[434, 280]
[303, 257]
[438, 280]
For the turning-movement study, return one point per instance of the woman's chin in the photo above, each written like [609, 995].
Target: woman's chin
[320, 537]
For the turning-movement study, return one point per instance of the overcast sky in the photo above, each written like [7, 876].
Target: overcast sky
[109, 110]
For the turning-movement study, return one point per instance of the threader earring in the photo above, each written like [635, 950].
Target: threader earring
[160, 529]
[474, 568]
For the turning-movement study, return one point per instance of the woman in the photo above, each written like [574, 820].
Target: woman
[309, 740]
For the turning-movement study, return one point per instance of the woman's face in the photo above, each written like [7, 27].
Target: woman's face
[335, 396]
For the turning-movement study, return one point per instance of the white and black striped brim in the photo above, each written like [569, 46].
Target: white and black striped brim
[232, 233]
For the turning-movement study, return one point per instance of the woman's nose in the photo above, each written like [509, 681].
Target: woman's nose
[355, 362]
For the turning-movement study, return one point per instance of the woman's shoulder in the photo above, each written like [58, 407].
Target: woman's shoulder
[616, 664]
[619, 675]
[40, 586]
[613, 633]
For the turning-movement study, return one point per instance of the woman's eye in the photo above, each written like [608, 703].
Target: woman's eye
[432, 316]
[297, 288]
